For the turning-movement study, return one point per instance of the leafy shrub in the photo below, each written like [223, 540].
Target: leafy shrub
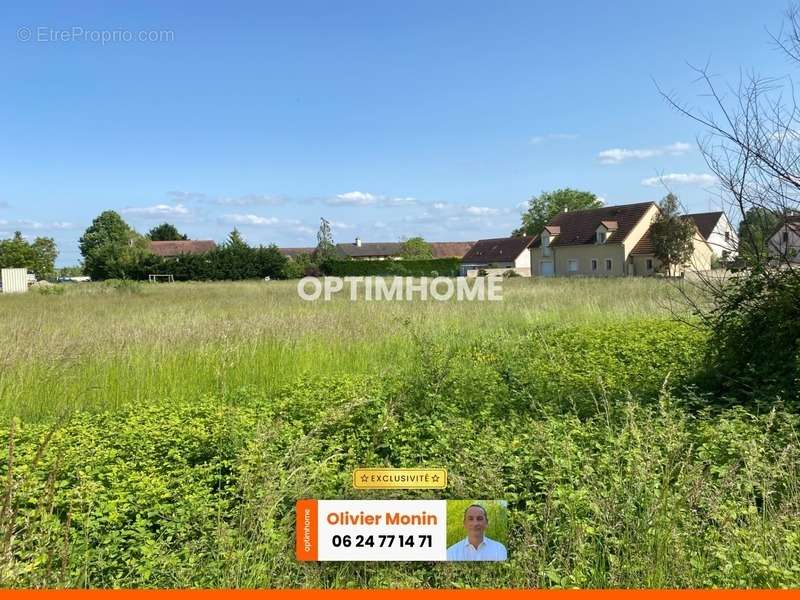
[755, 338]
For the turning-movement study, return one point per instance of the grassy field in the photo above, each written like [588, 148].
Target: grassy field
[158, 436]
[98, 347]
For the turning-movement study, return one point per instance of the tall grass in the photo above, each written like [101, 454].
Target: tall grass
[98, 347]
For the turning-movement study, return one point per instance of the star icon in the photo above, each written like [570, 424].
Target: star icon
[435, 478]
[364, 478]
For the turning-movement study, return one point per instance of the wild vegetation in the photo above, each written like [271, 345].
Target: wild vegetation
[159, 435]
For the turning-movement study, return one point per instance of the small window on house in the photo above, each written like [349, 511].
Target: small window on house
[572, 265]
[608, 264]
[785, 237]
[601, 237]
[727, 236]
[594, 265]
[649, 264]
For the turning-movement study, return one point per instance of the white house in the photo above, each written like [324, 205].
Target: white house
[784, 244]
[716, 229]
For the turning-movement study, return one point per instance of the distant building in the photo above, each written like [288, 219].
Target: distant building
[784, 243]
[173, 249]
[498, 255]
[717, 230]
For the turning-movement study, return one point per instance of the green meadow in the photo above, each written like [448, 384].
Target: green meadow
[159, 435]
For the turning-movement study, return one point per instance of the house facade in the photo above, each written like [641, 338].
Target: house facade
[784, 243]
[498, 255]
[717, 230]
[610, 241]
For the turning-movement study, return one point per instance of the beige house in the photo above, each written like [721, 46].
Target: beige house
[610, 241]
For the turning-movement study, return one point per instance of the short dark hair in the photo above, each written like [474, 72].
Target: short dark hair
[485, 514]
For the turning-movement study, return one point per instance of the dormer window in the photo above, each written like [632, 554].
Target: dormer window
[604, 231]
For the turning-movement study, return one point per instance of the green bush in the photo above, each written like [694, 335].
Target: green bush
[755, 338]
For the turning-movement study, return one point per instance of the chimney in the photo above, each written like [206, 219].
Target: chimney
[358, 242]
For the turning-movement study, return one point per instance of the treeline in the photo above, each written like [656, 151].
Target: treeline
[226, 262]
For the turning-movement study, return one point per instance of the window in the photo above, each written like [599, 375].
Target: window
[594, 265]
[727, 236]
[545, 244]
[608, 264]
[572, 265]
[785, 237]
[649, 264]
[601, 237]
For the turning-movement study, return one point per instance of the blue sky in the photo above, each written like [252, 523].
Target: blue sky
[389, 119]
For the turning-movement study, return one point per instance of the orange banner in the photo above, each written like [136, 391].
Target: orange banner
[306, 530]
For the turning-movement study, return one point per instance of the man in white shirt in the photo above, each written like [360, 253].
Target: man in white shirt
[476, 546]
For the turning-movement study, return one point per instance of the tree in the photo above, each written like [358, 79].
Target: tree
[546, 205]
[326, 249]
[672, 235]
[235, 240]
[416, 248]
[755, 228]
[166, 232]
[38, 256]
[110, 248]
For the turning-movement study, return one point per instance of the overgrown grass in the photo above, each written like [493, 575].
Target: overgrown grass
[103, 346]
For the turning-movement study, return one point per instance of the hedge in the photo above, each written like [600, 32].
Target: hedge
[444, 267]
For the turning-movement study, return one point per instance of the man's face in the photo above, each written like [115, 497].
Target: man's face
[475, 521]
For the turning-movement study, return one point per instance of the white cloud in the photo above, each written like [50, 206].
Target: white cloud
[538, 139]
[254, 220]
[615, 156]
[250, 200]
[680, 179]
[186, 196]
[157, 211]
[354, 199]
[30, 224]
[482, 210]
[357, 198]
[340, 225]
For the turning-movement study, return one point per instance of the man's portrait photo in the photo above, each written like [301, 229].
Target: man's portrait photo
[476, 530]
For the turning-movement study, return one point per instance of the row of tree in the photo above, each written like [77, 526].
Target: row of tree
[112, 249]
